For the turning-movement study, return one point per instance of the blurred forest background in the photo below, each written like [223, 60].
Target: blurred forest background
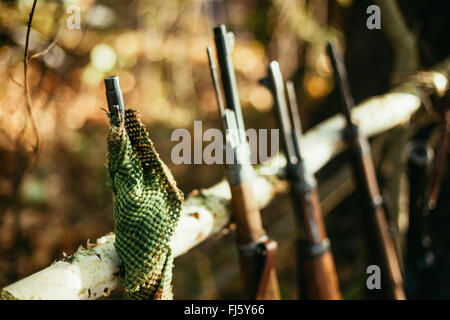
[53, 181]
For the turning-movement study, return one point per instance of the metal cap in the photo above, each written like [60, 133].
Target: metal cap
[114, 96]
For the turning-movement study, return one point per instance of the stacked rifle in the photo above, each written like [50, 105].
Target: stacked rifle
[317, 274]
[378, 240]
[256, 249]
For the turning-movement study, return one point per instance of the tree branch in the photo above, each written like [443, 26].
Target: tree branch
[26, 86]
[93, 271]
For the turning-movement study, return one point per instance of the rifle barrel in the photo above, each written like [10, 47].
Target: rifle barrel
[277, 88]
[337, 61]
[215, 79]
[224, 46]
[295, 116]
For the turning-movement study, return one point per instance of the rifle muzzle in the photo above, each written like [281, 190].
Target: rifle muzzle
[114, 96]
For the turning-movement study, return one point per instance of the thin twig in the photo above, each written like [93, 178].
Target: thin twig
[21, 157]
[15, 81]
[26, 59]
[43, 52]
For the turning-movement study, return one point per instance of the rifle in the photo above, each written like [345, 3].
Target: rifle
[379, 241]
[114, 96]
[256, 249]
[316, 266]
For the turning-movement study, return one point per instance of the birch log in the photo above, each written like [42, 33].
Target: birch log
[93, 271]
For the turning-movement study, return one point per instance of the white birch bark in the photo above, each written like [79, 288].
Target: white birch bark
[93, 272]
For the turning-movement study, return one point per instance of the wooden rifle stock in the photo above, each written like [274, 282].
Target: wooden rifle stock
[256, 249]
[379, 241]
[317, 272]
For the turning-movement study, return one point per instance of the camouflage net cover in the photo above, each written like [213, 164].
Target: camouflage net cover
[147, 206]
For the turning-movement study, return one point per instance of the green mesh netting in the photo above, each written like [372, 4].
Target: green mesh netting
[147, 206]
